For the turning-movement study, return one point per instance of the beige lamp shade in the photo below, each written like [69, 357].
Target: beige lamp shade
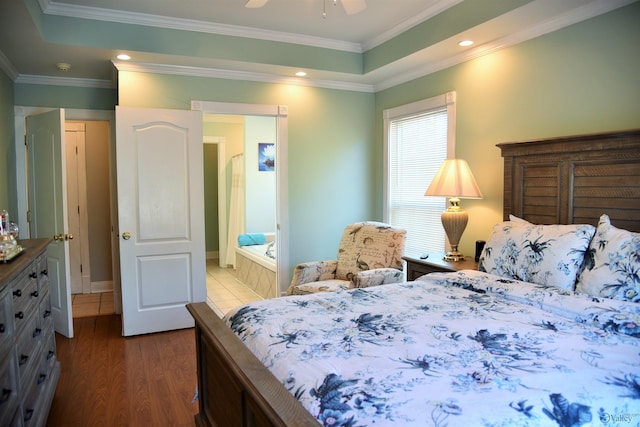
[454, 180]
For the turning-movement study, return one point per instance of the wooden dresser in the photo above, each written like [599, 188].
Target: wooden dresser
[29, 369]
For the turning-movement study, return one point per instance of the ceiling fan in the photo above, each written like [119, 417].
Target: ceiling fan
[350, 6]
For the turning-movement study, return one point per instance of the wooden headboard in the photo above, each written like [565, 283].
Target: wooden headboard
[574, 179]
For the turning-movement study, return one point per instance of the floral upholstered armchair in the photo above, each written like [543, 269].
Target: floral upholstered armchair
[370, 254]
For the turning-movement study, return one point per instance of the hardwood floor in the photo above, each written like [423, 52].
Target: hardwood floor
[109, 380]
[88, 305]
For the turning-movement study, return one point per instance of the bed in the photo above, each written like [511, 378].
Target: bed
[465, 348]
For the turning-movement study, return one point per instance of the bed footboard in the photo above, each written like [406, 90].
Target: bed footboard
[234, 388]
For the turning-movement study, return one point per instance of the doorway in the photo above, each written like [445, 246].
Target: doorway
[89, 217]
[243, 145]
[279, 113]
[106, 270]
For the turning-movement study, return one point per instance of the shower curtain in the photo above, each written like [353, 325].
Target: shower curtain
[236, 207]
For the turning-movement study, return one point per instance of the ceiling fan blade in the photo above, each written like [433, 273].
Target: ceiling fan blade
[354, 6]
[254, 4]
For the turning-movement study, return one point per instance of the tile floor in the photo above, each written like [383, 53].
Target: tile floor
[224, 290]
[86, 305]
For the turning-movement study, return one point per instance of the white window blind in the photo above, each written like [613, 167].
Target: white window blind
[417, 145]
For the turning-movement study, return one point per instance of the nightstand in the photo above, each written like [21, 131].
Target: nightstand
[417, 267]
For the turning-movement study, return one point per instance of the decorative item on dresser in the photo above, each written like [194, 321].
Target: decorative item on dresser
[435, 263]
[29, 369]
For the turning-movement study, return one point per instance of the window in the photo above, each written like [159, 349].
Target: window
[418, 138]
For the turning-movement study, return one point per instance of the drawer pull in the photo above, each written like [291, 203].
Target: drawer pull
[42, 378]
[46, 314]
[34, 294]
[28, 414]
[23, 359]
[44, 272]
[2, 328]
[50, 354]
[19, 315]
[33, 275]
[36, 332]
[17, 293]
[6, 394]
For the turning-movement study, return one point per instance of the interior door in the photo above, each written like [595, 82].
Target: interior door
[79, 264]
[159, 162]
[46, 170]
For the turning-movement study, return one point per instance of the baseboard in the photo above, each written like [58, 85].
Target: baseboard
[104, 286]
[213, 255]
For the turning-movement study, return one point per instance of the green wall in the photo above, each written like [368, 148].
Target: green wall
[7, 168]
[582, 79]
[233, 133]
[211, 203]
[65, 97]
[330, 148]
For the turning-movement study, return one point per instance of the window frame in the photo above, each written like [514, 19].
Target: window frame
[447, 100]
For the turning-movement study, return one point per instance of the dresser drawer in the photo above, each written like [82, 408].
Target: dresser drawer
[42, 274]
[28, 347]
[8, 388]
[36, 389]
[6, 321]
[49, 355]
[16, 421]
[25, 301]
[45, 314]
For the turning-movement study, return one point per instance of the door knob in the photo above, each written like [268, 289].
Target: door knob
[126, 235]
[63, 237]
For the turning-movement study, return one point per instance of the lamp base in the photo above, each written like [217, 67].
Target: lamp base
[454, 221]
[453, 256]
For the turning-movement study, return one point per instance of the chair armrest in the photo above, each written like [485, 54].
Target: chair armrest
[376, 276]
[313, 272]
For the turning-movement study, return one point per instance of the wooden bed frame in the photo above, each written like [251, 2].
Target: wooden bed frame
[561, 180]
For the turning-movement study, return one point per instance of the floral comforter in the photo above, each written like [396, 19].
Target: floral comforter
[464, 348]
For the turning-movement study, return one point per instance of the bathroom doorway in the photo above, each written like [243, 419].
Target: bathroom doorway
[240, 199]
[279, 115]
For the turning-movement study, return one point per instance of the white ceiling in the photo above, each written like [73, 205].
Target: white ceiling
[26, 55]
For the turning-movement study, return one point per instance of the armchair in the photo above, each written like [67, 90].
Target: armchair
[370, 254]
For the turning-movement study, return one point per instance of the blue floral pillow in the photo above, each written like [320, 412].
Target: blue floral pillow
[547, 255]
[612, 264]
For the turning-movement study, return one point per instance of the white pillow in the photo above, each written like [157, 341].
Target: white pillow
[514, 218]
[548, 255]
[612, 264]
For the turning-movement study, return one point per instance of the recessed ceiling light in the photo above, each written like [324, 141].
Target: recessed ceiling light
[124, 57]
[63, 66]
[301, 74]
[464, 43]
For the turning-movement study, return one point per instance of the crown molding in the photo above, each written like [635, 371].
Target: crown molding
[428, 13]
[7, 66]
[238, 75]
[574, 16]
[109, 15]
[64, 81]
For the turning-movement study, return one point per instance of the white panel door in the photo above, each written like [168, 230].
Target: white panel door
[78, 220]
[46, 170]
[161, 217]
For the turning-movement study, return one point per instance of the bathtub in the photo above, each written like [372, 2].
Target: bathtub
[257, 270]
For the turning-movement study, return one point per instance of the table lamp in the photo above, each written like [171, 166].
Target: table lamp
[454, 180]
